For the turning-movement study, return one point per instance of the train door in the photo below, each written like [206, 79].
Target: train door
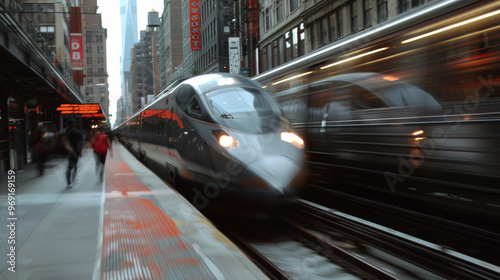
[383, 127]
[167, 122]
[318, 96]
[139, 129]
[294, 106]
[192, 141]
[329, 116]
[181, 96]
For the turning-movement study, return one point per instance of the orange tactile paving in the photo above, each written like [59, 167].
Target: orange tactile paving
[140, 241]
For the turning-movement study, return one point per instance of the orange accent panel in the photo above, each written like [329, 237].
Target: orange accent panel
[140, 241]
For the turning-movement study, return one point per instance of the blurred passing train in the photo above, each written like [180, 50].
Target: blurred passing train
[223, 132]
[409, 108]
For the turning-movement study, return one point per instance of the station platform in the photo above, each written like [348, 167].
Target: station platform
[131, 225]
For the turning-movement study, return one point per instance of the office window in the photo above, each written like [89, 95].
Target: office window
[416, 3]
[382, 10]
[354, 16]
[48, 34]
[294, 4]
[281, 51]
[295, 40]
[280, 11]
[404, 5]
[264, 59]
[332, 25]
[47, 15]
[267, 20]
[340, 24]
[275, 53]
[312, 31]
[269, 57]
[323, 31]
[302, 39]
[367, 21]
[288, 46]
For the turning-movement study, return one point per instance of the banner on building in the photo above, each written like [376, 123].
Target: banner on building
[234, 55]
[76, 51]
[194, 24]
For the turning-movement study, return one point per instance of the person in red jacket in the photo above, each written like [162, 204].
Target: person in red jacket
[101, 144]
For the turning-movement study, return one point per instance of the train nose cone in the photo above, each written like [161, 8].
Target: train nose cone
[276, 171]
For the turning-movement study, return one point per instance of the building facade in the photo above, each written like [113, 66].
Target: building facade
[145, 67]
[53, 23]
[291, 28]
[95, 89]
[119, 111]
[214, 31]
[213, 55]
[171, 43]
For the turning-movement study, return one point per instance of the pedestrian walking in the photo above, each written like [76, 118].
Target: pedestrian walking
[72, 141]
[39, 148]
[101, 144]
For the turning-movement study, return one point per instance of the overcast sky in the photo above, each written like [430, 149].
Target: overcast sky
[110, 11]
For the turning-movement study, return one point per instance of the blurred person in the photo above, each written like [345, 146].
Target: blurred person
[72, 141]
[101, 143]
[40, 149]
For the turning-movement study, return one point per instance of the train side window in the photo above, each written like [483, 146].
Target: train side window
[183, 96]
[194, 108]
[341, 93]
[364, 99]
[290, 102]
[320, 94]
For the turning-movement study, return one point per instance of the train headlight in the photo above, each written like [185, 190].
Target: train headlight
[292, 139]
[228, 142]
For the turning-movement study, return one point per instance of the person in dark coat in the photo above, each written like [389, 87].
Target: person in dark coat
[72, 141]
[39, 149]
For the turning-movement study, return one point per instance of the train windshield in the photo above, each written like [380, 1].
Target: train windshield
[242, 108]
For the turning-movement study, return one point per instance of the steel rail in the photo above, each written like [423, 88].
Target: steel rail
[431, 257]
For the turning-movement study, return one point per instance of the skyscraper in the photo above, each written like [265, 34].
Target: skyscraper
[128, 15]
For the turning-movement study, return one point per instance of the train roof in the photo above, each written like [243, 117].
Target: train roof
[209, 82]
[202, 84]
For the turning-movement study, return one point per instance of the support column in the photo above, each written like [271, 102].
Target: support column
[4, 132]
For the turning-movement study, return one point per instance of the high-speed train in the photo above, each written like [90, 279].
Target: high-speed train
[223, 132]
[413, 112]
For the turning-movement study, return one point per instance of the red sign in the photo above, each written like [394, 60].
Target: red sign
[194, 24]
[76, 51]
[79, 108]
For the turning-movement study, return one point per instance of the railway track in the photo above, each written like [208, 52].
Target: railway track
[482, 243]
[309, 241]
[434, 258]
[314, 257]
